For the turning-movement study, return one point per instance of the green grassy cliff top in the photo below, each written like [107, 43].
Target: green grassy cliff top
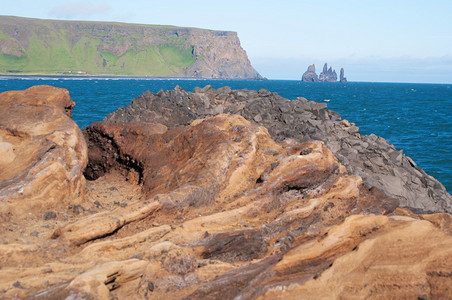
[36, 46]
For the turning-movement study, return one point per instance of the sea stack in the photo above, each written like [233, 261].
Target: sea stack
[342, 78]
[328, 75]
[310, 75]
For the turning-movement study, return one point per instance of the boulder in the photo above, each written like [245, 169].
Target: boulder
[42, 152]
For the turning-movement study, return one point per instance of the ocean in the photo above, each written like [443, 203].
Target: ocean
[414, 117]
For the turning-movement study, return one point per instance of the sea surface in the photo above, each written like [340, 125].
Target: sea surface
[414, 117]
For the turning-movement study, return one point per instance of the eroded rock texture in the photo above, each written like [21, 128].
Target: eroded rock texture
[42, 152]
[217, 209]
[370, 157]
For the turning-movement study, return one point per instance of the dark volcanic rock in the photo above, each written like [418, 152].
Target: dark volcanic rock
[371, 157]
[49, 215]
[328, 75]
[310, 75]
[342, 78]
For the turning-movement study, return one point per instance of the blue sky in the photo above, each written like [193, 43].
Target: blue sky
[395, 41]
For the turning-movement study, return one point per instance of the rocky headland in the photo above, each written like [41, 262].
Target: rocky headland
[49, 47]
[327, 75]
[212, 194]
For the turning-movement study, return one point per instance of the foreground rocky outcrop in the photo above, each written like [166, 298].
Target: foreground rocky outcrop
[42, 153]
[217, 209]
[370, 157]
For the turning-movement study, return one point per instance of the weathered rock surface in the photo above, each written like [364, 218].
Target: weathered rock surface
[342, 77]
[370, 157]
[216, 209]
[42, 153]
[327, 75]
[310, 75]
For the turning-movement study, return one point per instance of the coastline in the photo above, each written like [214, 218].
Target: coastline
[113, 77]
[131, 77]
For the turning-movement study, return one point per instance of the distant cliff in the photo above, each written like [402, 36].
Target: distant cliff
[327, 75]
[35, 46]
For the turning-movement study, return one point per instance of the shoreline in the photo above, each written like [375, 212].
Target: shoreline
[131, 77]
[115, 77]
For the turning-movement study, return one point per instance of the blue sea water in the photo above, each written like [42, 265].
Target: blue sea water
[414, 117]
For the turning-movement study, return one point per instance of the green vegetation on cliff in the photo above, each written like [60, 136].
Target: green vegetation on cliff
[34, 46]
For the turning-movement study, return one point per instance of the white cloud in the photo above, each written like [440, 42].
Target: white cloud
[78, 10]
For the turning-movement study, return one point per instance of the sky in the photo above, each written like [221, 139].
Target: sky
[379, 41]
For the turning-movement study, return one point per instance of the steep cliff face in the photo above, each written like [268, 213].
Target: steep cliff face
[33, 46]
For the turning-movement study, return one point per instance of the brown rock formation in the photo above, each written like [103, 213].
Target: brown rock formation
[42, 152]
[370, 157]
[217, 209]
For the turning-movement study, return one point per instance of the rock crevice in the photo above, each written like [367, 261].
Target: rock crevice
[379, 163]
